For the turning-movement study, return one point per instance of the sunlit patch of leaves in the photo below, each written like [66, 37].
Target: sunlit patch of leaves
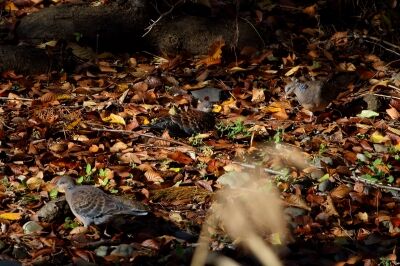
[201, 165]
[233, 130]
[207, 150]
[379, 174]
[196, 140]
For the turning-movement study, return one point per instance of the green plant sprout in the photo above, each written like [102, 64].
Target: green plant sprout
[232, 131]
[87, 178]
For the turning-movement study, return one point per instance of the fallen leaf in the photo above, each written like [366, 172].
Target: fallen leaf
[297, 201]
[258, 95]
[292, 71]
[340, 192]
[13, 216]
[114, 119]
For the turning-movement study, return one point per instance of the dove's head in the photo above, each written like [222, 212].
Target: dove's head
[291, 86]
[65, 183]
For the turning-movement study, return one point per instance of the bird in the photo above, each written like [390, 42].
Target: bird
[91, 205]
[187, 123]
[316, 95]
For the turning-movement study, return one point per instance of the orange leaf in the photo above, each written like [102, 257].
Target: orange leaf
[214, 55]
[180, 157]
[311, 10]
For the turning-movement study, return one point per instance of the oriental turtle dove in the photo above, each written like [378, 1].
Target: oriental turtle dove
[316, 95]
[187, 123]
[93, 206]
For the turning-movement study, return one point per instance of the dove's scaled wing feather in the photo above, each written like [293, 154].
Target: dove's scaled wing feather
[85, 203]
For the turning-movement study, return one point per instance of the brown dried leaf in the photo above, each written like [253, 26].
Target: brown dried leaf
[340, 38]
[297, 201]
[311, 10]
[180, 157]
[153, 176]
[151, 243]
[340, 192]
[258, 95]
[214, 55]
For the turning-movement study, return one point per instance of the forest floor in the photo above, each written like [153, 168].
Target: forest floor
[336, 175]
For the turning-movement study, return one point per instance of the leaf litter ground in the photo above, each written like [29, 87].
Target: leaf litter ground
[337, 175]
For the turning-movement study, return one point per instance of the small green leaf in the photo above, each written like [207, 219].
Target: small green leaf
[102, 172]
[367, 114]
[104, 182]
[88, 169]
[53, 193]
[175, 169]
[323, 178]
[79, 180]
[113, 191]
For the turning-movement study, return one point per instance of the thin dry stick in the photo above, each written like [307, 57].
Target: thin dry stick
[383, 47]
[153, 23]
[252, 166]
[366, 182]
[379, 40]
[394, 87]
[379, 95]
[16, 99]
[255, 30]
[140, 134]
[386, 96]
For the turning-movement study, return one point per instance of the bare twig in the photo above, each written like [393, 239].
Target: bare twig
[153, 23]
[140, 134]
[16, 99]
[394, 87]
[252, 166]
[255, 30]
[386, 96]
[377, 41]
[365, 181]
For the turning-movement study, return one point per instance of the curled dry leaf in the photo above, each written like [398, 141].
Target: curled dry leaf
[340, 38]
